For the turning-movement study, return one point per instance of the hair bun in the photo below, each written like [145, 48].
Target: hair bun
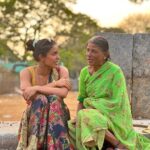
[29, 45]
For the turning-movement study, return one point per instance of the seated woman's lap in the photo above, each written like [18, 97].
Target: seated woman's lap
[90, 125]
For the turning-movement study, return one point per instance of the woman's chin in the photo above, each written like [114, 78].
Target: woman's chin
[90, 63]
[53, 66]
[56, 65]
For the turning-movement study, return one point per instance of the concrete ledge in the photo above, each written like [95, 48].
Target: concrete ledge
[8, 142]
[140, 125]
[9, 130]
[8, 135]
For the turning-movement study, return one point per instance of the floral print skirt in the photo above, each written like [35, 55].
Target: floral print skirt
[44, 125]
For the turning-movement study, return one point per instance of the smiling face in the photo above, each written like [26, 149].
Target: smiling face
[52, 58]
[95, 56]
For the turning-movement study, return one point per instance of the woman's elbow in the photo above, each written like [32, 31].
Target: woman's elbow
[64, 93]
[22, 89]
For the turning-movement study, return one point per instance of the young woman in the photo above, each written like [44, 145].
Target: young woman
[43, 125]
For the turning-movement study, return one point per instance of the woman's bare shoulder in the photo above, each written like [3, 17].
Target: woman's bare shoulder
[63, 68]
[63, 71]
[26, 71]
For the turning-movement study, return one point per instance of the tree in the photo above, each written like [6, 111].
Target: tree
[73, 49]
[138, 1]
[136, 23]
[22, 19]
[6, 53]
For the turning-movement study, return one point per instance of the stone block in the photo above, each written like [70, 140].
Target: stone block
[141, 55]
[141, 98]
[121, 47]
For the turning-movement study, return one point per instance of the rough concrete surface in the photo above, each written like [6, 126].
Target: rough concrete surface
[141, 98]
[9, 130]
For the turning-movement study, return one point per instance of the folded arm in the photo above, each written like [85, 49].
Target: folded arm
[59, 88]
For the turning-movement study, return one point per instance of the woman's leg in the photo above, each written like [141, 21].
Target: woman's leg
[33, 128]
[57, 131]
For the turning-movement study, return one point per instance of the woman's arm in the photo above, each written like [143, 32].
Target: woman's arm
[25, 79]
[52, 89]
[61, 92]
[82, 90]
[63, 81]
[25, 85]
[59, 88]
[79, 106]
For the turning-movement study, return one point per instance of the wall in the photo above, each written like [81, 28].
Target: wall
[8, 81]
[132, 53]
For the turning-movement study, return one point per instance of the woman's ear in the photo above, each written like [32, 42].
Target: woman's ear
[106, 54]
[41, 57]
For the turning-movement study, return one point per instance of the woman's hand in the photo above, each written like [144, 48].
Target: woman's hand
[29, 93]
[63, 83]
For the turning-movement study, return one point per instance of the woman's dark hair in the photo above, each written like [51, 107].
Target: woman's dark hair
[40, 47]
[102, 43]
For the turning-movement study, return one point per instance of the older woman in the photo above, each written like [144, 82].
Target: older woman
[43, 125]
[104, 109]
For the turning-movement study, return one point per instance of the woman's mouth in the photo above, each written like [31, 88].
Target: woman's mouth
[89, 60]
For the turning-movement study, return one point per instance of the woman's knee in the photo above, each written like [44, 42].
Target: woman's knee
[40, 99]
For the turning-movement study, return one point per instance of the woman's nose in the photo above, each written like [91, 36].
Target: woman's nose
[88, 54]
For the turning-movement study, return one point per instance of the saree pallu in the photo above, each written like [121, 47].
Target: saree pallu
[106, 107]
[43, 124]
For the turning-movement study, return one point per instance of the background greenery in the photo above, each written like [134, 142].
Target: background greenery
[23, 19]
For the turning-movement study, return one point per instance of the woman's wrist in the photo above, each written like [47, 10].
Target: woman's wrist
[37, 87]
[54, 83]
[80, 106]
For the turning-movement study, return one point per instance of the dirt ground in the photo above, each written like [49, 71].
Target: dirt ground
[12, 106]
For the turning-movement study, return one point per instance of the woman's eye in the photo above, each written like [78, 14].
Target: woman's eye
[93, 51]
[54, 53]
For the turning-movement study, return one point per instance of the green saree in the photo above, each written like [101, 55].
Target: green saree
[107, 107]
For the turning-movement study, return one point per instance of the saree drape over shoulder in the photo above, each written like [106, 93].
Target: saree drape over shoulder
[104, 96]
